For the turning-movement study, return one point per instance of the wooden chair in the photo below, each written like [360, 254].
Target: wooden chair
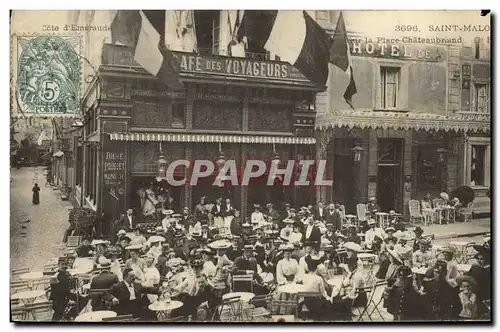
[375, 302]
[259, 309]
[361, 213]
[415, 213]
[244, 282]
[120, 319]
[15, 273]
[288, 306]
[230, 310]
[42, 311]
[305, 295]
[467, 212]
[73, 241]
[19, 286]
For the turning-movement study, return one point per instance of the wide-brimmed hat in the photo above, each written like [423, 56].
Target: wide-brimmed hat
[293, 210]
[403, 236]
[352, 246]
[418, 230]
[444, 196]
[395, 254]
[390, 229]
[468, 279]
[168, 212]
[288, 221]
[104, 263]
[342, 236]
[121, 232]
[256, 206]
[134, 247]
[156, 238]
[364, 256]
[286, 247]
[269, 204]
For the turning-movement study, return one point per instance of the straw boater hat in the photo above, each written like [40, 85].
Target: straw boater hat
[134, 247]
[104, 264]
[288, 221]
[293, 210]
[121, 232]
[248, 247]
[168, 212]
[372, 199]
[390, 229]
[352, 246]
[256, 206]
[286, 247]
[366, 256]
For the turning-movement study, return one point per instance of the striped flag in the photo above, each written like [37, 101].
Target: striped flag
[144, 31]
[340, 56]
[293, 36]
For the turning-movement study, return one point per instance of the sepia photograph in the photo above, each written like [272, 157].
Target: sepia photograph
[250, 166]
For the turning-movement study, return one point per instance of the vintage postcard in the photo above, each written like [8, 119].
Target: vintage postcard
[250, 166]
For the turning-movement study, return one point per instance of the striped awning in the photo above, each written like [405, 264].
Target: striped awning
[205, 138]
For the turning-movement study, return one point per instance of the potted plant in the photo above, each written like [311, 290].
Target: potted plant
[82, 221]
[464, 193]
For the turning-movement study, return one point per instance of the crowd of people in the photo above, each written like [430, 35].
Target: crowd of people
[195, 258]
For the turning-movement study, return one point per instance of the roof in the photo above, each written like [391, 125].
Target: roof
[474, 122]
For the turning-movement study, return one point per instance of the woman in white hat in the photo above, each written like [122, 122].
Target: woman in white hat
[352, 255]
[287, 230]
[151, 276]
[287, 268]
[348, 295]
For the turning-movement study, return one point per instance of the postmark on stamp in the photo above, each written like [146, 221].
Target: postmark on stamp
[48, 74]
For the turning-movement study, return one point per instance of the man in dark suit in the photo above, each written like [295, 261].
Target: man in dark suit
[103, 280]
[333, 216]
[170, 234]
[85, 249]
[274, 216]
[127, 295]
[60, 291]
[319, 212]
[312, 234]
[128, 220]
[235, 227]
[218, 213]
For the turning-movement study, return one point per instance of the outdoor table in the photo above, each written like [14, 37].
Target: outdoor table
[27, 298]
[244, 296]
[419, 270]
[463, 267]
[291, 288]
[95, 316]
[163, 308]
[31, 276]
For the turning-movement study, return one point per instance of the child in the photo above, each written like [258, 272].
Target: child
[468, 297]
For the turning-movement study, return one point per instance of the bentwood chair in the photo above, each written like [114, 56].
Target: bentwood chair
[361, 213]
[467, 212]
[73, 242]
[17, 272]
[415, 213]
[260, 308]
[376, 299]
[230, 310]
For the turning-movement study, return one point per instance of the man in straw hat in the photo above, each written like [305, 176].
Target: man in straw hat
[287, 268]
[104, 280]
[247, 264]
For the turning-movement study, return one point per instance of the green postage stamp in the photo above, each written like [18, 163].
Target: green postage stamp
[48, 74]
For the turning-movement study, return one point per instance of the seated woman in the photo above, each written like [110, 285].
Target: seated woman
[287, 268]
[468, 297]
[223, 266]
[320, 308]
[349, 294]
[423, 256]
[135, 262]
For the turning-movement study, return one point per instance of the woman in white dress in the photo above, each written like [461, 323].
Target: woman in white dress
[150, 202]
[151, 277]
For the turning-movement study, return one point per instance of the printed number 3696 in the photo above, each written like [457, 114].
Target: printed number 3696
[404, 28]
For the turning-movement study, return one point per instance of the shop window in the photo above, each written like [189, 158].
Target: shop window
[477, 169]
[480, 98]
[428, 168]
[389, 87]
[178, 112]
[481, 50]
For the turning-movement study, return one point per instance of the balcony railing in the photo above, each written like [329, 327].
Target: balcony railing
[248, 55]
[475, 116]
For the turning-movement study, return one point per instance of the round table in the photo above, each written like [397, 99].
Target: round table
[32, 275]
[335, 281]
[163, 308]
[463, 267]
[28, 297]
[95, 316]
[245, 297]
[419, 270]
[291, 288]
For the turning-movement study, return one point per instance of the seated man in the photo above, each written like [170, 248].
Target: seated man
[104, 280]
[127, 295]
[247, 264]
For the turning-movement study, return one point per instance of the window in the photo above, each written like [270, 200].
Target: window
[389, 87]
[477, 170]
[215, 33]
[178, 114]
[480, 98]
[428, 168]
[481, 50]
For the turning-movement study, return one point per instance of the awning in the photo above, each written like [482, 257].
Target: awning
[58, 154]
[202, 138]
[468, 122]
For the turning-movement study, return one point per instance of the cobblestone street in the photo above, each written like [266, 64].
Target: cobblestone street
[49, 219]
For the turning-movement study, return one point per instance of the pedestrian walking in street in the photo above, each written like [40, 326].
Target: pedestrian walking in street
[36, 194]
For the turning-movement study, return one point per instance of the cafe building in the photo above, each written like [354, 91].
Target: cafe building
[413, 130]
[229, 109]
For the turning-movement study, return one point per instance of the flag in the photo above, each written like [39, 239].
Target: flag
[144, 31]
[340, 56]
[180, 31]
[293, 36]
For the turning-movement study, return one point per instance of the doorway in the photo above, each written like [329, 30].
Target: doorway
[389, 184]
[344, 175]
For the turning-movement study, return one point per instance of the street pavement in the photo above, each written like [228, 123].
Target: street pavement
[458, 229]
[48, 220]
